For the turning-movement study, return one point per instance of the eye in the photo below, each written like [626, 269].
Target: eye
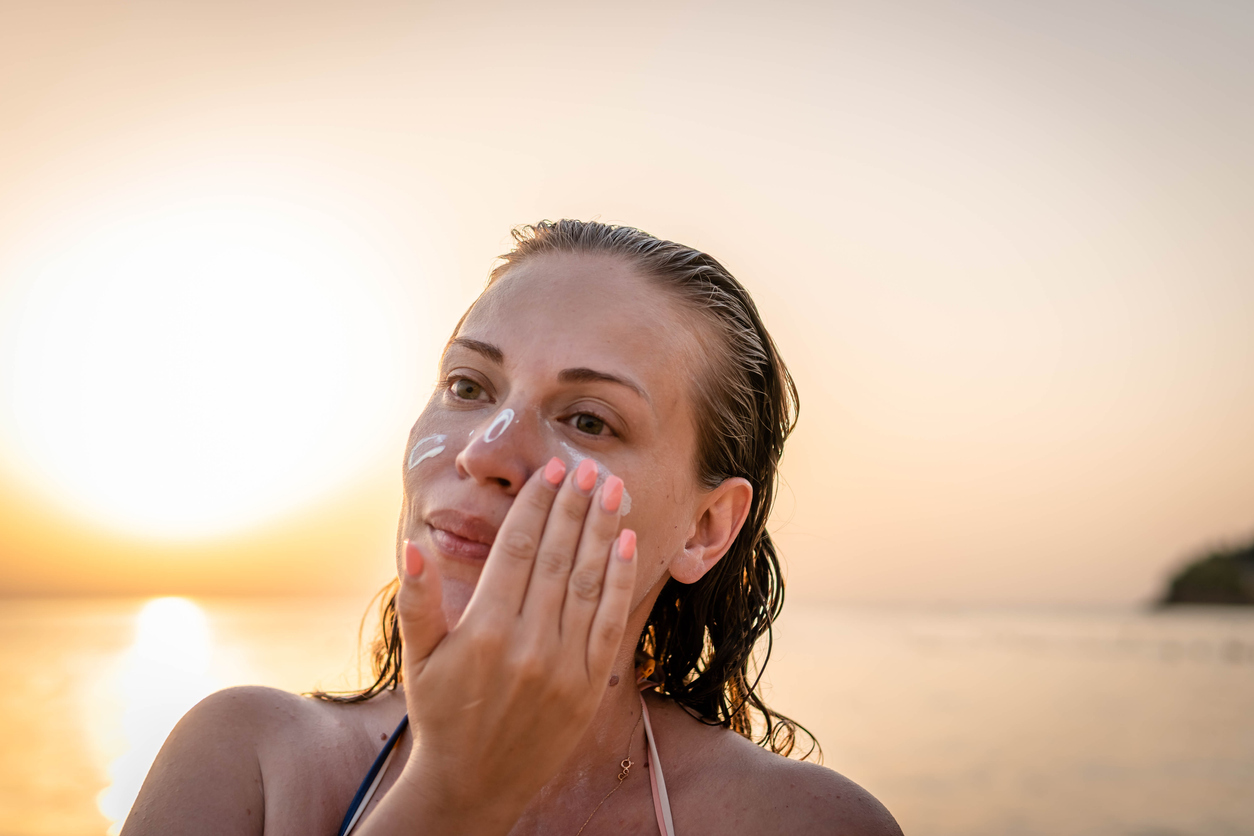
[465, 389]
[589, 424]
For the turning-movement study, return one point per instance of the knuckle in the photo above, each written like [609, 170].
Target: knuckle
[486, 638]
[586, 585]
[552, 563]
[572, 511]
[539, 501]
[607, 631]
[518, 543]
[528, 666]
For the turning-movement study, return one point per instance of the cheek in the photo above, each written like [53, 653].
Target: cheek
[661, 521]
[574, 457]
[663, 496]
[425, 448]
[666, 503]
[434, 442]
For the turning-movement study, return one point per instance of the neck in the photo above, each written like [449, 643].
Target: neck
[615, 726]
[591, 772]
[616, 732]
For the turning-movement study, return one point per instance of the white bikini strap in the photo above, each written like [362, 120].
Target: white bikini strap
[661, 803]
[365, 800]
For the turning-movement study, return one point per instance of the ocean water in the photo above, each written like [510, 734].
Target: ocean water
[964, 722]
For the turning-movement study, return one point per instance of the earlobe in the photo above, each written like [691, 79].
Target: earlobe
[719, 520]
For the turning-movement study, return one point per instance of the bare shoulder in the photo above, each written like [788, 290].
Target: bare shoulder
[730, 782]
[244, 721]
[807, 797]
[238, 754]
[215, 746]
[251, 707]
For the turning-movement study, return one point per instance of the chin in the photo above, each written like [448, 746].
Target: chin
[455, 595]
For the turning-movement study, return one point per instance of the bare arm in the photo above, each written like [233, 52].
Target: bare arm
[207, 778]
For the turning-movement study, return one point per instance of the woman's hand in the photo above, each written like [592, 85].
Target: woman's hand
[499, 702]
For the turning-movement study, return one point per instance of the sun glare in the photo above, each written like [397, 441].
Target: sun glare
[198, 369]
[164, 673]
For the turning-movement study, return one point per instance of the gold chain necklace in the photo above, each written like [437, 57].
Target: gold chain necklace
[626, 765]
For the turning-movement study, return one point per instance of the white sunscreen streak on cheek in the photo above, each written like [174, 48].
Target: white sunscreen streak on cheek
[498, 426]
[419, 454]
[603, 473]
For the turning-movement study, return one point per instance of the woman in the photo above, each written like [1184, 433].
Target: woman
[588, 485]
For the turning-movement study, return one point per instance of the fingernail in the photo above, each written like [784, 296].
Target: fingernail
[554, 471]
[413, 560]
[612, 494]
[627, 544]
[586, 475]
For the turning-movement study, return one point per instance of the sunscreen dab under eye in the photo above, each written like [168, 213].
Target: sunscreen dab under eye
[426, 448]
[603, 473]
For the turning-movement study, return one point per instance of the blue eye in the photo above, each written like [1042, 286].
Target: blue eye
[589, 424]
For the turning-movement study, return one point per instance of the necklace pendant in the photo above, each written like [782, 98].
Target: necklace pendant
[626, 765]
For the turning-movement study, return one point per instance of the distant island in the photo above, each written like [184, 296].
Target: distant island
[1221, 576]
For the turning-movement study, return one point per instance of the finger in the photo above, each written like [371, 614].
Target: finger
[419, 610]
[542, 608]
[507, 570]
[587, 578]
[606, 633]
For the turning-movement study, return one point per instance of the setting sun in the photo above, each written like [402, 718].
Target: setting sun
[198, 367]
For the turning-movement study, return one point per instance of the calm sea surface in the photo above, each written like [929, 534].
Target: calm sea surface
[971, 722]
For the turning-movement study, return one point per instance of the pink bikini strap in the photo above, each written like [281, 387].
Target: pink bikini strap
[661, 804]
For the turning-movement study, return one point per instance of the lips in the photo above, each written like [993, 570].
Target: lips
[461, 535]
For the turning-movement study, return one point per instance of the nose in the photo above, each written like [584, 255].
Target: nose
[503, 451]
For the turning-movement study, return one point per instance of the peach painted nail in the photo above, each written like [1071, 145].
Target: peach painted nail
[627, 544]
[586, 475]
[612, 494]
[413, 560]
[554, 471]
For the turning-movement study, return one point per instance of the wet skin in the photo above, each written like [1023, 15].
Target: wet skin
[584, 352]
[536, 617]
[515, 611]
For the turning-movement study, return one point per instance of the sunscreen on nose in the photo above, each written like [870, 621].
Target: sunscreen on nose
[499, 425]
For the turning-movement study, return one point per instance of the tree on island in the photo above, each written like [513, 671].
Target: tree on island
[1221, 576]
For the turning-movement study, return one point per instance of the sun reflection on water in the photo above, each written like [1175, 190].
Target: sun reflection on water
[164, 672]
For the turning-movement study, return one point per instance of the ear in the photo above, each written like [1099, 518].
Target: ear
[718, 521]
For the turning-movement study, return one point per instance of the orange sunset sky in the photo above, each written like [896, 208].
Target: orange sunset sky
[1005, 247]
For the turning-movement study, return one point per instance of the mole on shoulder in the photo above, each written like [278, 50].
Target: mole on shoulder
[613, 680]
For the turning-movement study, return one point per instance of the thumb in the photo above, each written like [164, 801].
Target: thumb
[418, 607]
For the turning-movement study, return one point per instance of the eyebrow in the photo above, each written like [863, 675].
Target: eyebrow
[486, 349]
[581, 374]
[586, 375]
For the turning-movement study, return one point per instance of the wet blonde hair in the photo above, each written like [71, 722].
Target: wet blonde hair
[701, 635]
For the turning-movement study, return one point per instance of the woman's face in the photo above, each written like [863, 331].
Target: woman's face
[570, 356]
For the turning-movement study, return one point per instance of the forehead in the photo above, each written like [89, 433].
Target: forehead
[562, 307]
